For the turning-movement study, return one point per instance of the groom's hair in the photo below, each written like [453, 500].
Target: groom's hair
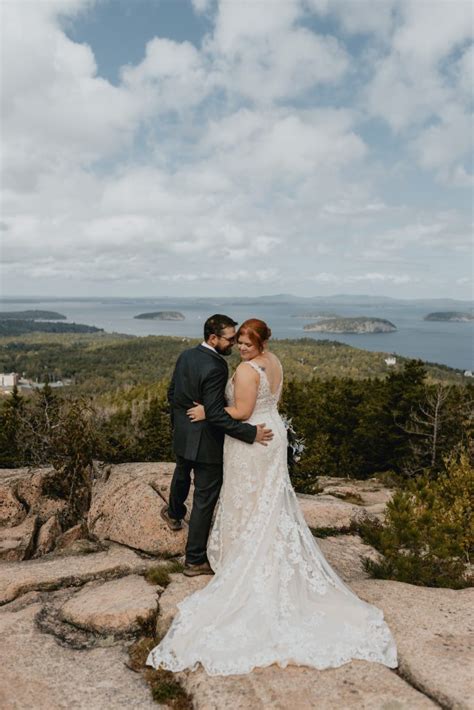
[216, 324]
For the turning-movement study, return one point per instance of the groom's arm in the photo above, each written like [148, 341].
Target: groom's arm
[170, 397]
[214, 402]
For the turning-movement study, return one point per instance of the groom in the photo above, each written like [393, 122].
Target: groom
[200, 375]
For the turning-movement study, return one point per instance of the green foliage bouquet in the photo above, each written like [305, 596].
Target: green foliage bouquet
[296, 444]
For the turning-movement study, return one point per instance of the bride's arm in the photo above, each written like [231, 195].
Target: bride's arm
[245, 393]
[245, 396]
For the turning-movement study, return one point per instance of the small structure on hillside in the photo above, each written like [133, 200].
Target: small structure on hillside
[8, 380]
[390, 361]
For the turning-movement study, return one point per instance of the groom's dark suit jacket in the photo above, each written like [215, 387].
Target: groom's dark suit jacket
[200, 376]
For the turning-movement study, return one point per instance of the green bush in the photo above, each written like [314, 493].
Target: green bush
[427, 537]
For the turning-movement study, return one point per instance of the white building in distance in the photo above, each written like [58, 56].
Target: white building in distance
[9, 380]
[390, 361]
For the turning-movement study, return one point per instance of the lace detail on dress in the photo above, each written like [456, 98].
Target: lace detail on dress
[274, 597]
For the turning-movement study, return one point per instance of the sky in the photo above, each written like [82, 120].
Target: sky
[236, 147]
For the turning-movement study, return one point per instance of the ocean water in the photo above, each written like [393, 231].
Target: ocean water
[439, 342]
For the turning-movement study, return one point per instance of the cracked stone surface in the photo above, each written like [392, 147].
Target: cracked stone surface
[434, 631]
[115, 606]
[40, 674]
[74, 570]
[66, 617]
[355, 686]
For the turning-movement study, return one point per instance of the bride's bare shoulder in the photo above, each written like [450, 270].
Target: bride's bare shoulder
[273, 359]
[243, 372]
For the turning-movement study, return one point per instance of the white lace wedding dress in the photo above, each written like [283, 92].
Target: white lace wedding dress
[274, 597]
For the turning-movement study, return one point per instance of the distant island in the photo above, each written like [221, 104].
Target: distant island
[351, 325]
[316, 316]
[451, 316]
[31, 315]
[161, 315]
[11, 326]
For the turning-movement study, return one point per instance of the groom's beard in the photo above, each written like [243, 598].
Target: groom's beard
[225, 352]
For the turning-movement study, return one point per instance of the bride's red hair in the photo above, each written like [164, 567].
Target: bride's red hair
[256, 330]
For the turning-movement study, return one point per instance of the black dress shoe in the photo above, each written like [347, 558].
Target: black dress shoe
[172, 523]
[195, 570]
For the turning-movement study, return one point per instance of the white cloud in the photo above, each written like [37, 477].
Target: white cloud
[365, 17]
[250, 151]
[412, 88]
[56, 111]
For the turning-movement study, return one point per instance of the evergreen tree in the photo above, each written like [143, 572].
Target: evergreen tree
[10, 426]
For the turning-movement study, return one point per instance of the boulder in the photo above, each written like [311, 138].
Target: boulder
[433, 629]
[126, 508]
[39, 673]
[29, 482]
[28, 486]
[157, 475]
[77, 532]
[17, 543]
[47, 536]
[371, 491]
[325, 511]
[112, 607]
[12, 511]
[345, 553]
[74, 570]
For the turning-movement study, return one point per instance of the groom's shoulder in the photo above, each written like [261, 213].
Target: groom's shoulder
[197, 354]
[203, 358]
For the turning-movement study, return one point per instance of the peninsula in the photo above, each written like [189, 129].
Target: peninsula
[31, 315]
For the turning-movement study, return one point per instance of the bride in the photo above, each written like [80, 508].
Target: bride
[274, 597]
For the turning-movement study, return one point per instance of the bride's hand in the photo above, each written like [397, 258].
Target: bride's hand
[196, 413]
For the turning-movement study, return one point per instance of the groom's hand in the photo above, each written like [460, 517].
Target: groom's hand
[263, 435]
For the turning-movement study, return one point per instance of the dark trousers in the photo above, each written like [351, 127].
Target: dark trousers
[207, 485]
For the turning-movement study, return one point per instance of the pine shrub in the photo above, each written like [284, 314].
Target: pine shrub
[427, 537]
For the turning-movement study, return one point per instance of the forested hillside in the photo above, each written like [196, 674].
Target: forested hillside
[100, 362]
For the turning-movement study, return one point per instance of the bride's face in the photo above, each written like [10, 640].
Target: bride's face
[246, 348]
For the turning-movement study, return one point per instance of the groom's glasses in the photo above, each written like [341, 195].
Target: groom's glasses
[229, 340]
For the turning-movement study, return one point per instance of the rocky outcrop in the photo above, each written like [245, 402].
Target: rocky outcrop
[126, 504]
[346, 554]
[325, 511]
[17, 543]
[12, 512]
[118, 606]
[74, 570]
[434, 631]
[67, 616]
[39, 673]
[30, 513]
[126, 507]
[47, 536]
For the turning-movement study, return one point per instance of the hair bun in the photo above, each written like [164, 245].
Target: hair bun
[257, 331]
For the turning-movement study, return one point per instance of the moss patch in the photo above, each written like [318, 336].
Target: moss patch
[165, 689]
[161, 574]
